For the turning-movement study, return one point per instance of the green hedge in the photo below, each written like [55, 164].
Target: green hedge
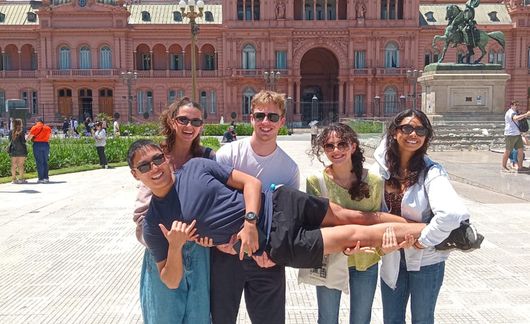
[71, 152]
[244, 129]
[366, 126]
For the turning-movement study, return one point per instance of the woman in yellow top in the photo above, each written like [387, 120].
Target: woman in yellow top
[350, 185]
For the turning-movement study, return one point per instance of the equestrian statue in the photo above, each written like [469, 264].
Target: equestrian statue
[461, 29]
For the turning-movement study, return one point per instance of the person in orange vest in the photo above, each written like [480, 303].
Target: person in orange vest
[40, 134]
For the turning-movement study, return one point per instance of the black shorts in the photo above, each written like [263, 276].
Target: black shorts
[295, 237]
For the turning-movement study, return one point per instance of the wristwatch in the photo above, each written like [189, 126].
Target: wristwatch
[251, 217]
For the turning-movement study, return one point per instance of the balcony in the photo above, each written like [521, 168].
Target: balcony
[13, 74]
[362, 72]
[392, 71]
[80, 73]
[175, 73]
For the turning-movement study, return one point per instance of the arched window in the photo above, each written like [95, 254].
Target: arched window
[144, 101]
[64, 58]
[391, 56]
[208, 16]
[391, 9]
[247, 98]
[390, 101]
[105, 58]
[249, 57]
[209, 61]
[2, 101]
[84, 58]
[30, 96]
[173, 95]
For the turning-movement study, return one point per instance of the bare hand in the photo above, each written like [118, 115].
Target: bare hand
[409, 242]
[179, 233]
[228, 247]
[263, 260]
[204, 241]
[359, 249]
[249, 239]
[389, 241]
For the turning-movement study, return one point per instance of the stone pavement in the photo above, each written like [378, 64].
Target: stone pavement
[69, 254]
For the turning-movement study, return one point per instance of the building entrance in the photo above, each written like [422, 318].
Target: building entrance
[85, 103]
[319, 86]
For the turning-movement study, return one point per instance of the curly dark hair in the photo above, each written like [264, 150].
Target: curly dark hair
[166, 119]
[358, 189]
[417, 163]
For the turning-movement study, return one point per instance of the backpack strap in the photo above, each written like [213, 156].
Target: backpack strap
[206, 153]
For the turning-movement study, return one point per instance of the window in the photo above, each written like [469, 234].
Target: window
[319, 12]
[308, 10]
[208, 16]
[146, 16]
[281, 59]
[146, 61]
[392, 9]
[208, 101]
[358, 107]
[84, 58]
[493, 16]
[30, 97]
[171, 96]
[391, 56]
[177, 62]
[34, 64]
[2, 17]
[144, 101]
[6, 62]
[64, 58]
[359, 60]
[105, 58]
[203, 100]
[247, 98]
[177, 16]
[390, 101]
[331, 12]
[249, 57]
[209, 62]
[429, 15]
[248, 10]
[496, 57]
[32, 17]
[427, 58]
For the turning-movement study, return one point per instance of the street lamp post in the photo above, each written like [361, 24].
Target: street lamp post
[413, 75]
[270, 79]
[192, 14]
[290, 116]
[402, 102]
[314, 108]
[128, 77]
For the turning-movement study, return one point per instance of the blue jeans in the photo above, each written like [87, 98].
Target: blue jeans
[41, 151]
[362, 291]
[190, 302]
[422, 286]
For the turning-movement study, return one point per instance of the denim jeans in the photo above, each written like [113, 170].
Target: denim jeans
[41, 151]
[190, 302]
[422, 286]
[362, 291]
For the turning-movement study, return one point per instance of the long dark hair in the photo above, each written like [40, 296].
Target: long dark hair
[358, 189]
[166, 120]
[417, 163]
[17, 128]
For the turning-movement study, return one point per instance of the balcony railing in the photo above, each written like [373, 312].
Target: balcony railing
[84, 73]
[175, 73]
[18, 74]
[392, 71]
[361, 72]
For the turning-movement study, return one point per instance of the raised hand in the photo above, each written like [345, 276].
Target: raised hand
[179, 233]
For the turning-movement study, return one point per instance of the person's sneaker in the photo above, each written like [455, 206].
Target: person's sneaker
[22, 181]
[465, 238]
[14, 181]
[40, 181]
[45, 181]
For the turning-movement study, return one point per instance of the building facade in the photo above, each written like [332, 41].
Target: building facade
[332, 58]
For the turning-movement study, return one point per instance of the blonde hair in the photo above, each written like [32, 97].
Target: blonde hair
[266, 97]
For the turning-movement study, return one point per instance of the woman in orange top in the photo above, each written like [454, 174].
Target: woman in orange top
[40, 135]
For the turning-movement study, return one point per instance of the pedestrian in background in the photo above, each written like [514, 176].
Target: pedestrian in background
[40, 134]
[512, 136]
[18, 151]
[100, 135]
[66, 126]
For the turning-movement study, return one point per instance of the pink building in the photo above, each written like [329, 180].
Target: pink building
[335, 58]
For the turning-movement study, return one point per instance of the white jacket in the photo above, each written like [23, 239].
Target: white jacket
[431, 200]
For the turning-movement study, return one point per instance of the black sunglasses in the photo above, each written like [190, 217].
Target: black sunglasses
[408, 129]
[273, 117]
[183, 120]
[341, 146]
[146, 166]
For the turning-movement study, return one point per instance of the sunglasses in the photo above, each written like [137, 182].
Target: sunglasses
[408, 129]
[146, 166]
[183, 120]
[341, 146]
[260, 116]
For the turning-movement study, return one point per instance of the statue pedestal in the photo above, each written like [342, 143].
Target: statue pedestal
[461, 88]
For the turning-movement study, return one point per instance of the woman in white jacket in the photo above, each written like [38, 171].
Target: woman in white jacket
[418, 189]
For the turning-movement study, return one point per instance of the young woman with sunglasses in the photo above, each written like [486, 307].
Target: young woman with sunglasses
[350, 185]
[181, 125]
[419, 190]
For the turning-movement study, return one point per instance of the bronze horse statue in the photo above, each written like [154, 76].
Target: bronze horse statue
[455, 35]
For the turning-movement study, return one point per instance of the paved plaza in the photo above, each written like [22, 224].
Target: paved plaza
[69, 253]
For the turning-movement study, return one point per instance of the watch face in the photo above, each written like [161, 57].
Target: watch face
[250, 216]
[82, 3]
